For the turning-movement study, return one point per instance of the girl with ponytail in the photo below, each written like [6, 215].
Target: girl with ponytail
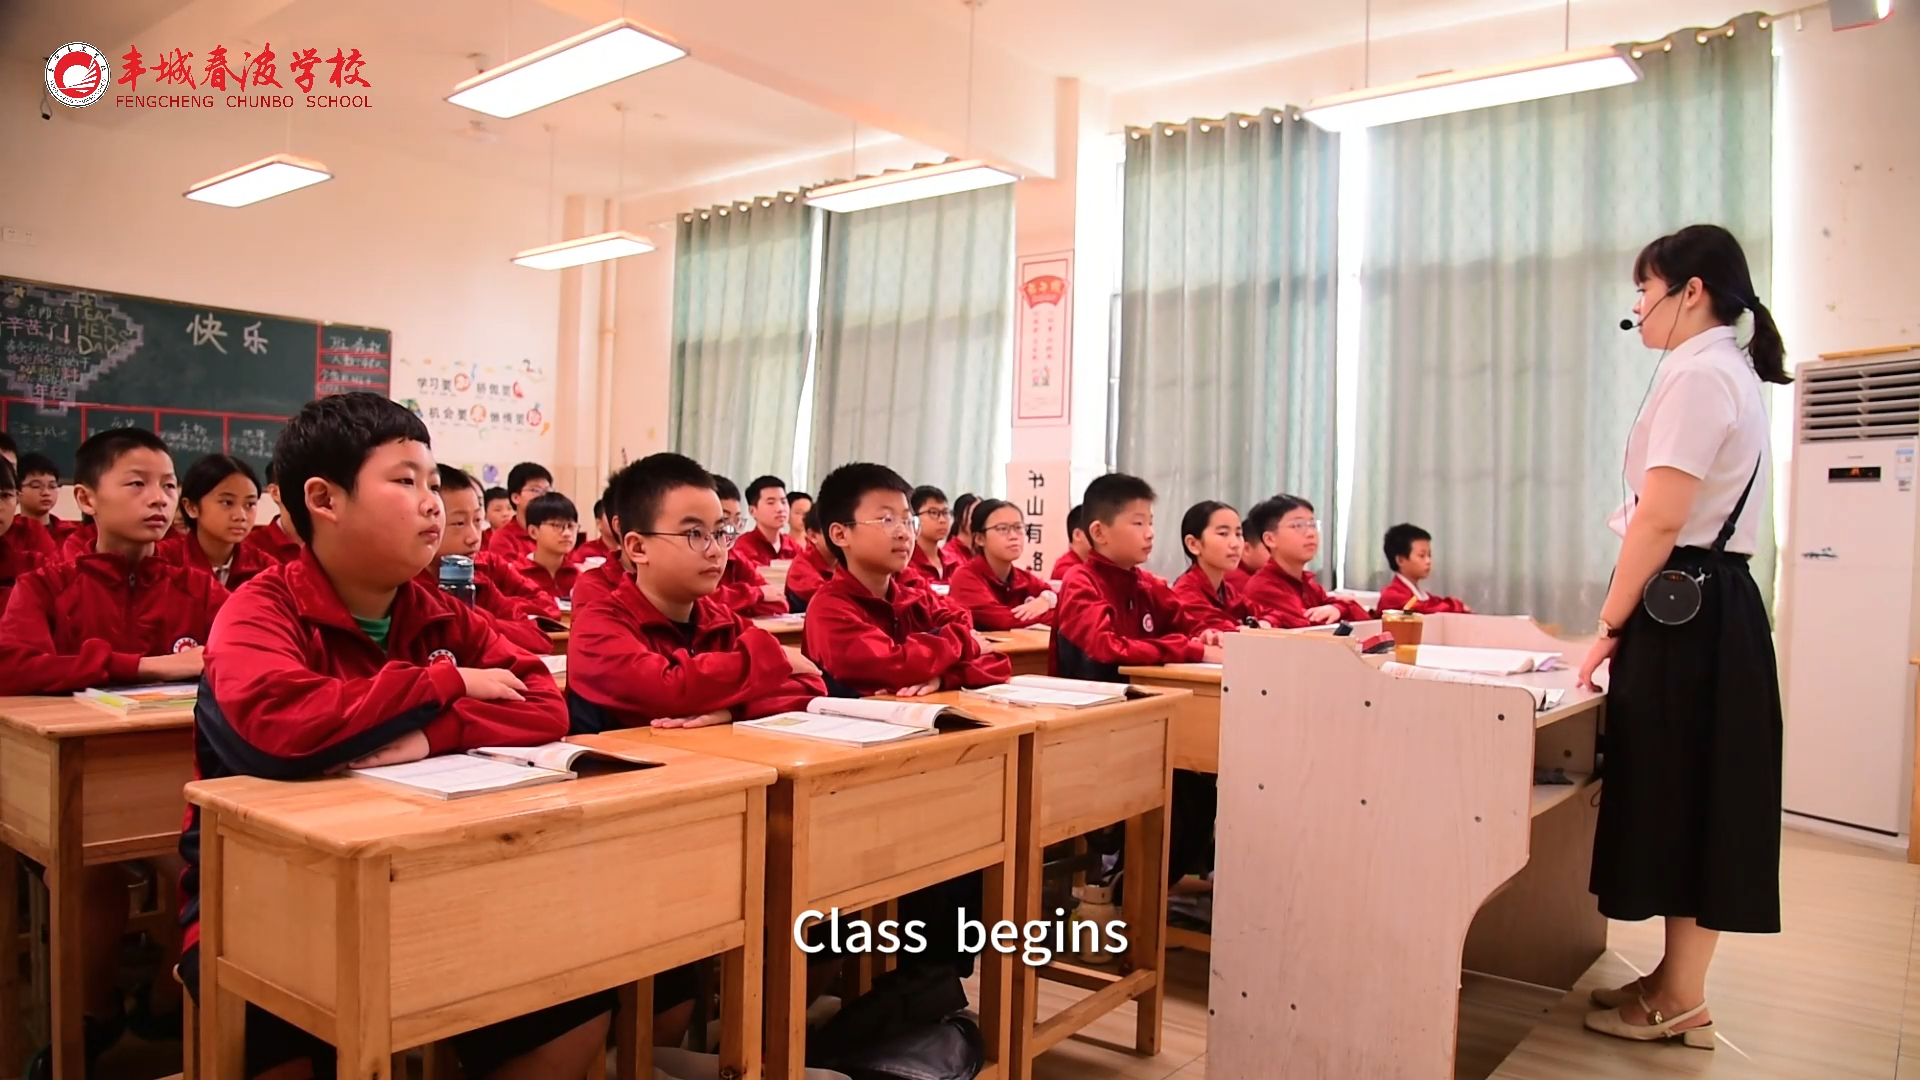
[1690, 815]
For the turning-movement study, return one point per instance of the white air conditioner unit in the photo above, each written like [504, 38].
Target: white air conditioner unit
[1850, 613]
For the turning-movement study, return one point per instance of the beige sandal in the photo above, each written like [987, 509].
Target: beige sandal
[1610, 1022]
[1618, 996]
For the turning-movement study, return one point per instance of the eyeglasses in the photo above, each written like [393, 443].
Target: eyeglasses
[1008, 529]
[937, 515]
[893, 525]
[1302, 526]
[40, 485]
[702, 540]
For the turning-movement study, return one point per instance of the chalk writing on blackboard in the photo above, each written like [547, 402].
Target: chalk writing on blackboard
[58, 343]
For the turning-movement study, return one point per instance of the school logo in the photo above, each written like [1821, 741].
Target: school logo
[1146, 622]
[184, 644]
[76, 74]
[441, 656]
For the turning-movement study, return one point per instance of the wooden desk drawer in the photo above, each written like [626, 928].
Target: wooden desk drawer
[877, 830]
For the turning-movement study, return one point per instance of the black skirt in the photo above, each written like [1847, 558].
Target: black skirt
[1690, 798]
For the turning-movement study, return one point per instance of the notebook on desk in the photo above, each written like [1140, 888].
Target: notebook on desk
[499, 768]
[861, 721]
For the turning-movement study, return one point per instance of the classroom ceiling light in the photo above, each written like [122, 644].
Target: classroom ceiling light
[607, 53]
[907, 185]
[1460, 91]
[587, 249]
[263, 179]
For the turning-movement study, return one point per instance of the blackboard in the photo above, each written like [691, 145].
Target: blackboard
[74, 362]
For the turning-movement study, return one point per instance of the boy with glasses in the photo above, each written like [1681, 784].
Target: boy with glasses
[39, 490]
[869, 631]
[659, 648]
[932, 559]
[1284, 592]
[742, 587]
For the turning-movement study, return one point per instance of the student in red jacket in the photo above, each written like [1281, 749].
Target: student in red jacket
[604, 538]
[870, 633]
[1210, 532]
[814, 566]
[1077, 548]
[767, 541]
[272, 539]
[39, 480]
[499, 507]
[1409, 550]
[993, 587]
[554, 524]
[460, 536]
[1284, 592]
[526, 482]
[218, 495]
[1253, 556]
[113, 616]
[24, 545]
[932, 559]
[742, 588]
[960, 546]
[1112, 611]
[342, 658]
[798, 503]
[657, 649]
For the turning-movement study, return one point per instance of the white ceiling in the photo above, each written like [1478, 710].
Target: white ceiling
[686, 123]
[1121, 44]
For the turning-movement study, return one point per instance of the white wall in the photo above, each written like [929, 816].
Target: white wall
[392, 241]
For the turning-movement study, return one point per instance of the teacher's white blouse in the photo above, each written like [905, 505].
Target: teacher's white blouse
[1705, 417]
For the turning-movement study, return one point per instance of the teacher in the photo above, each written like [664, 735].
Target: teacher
[1690, 809]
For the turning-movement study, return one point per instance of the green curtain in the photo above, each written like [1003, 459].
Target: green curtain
[1228, 270]
[916, 339]
[1496, 388]
[740, 324]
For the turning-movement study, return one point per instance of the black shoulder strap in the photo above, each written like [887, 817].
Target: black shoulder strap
[1726, 531]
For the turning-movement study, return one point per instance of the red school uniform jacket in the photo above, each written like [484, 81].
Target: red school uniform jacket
[294, 687]
[1284, 600]
[635, 665]
[743, 590]
[876, 645]
[89, 622]
[754, 548]
[511, 541]
[597, 582]
[246, 563]
[25, 547]
[953, 552]
[930, 570]
[514, 585]
[1222, 609]
[1109, 616]
[991, 601]
[559, 586]
[510, 619]
[805, 576]
[81, 541]
[60, 530]
[1063, 564]
[274, 541]
[592, 549]
[1398, 591]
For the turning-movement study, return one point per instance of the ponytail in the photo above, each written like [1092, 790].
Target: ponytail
[1769, 353]
[1711, 253]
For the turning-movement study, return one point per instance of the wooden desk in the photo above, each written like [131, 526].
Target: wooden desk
[419, 918]
[852, 828]
[1082, 770]
[788, 630]
[79, 786]
[1391, 828]
[1196, 718]
[1027, 649]
[559, 639]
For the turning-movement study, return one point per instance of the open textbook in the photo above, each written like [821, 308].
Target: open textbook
[1485, 661]
[861, 721]
[143, 700]
[1543, 698]
[499, 768]
[1056, 693]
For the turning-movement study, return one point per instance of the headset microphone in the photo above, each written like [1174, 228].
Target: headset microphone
[1629, 324]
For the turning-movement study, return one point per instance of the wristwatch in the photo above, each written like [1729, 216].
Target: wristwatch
[1608, 630]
